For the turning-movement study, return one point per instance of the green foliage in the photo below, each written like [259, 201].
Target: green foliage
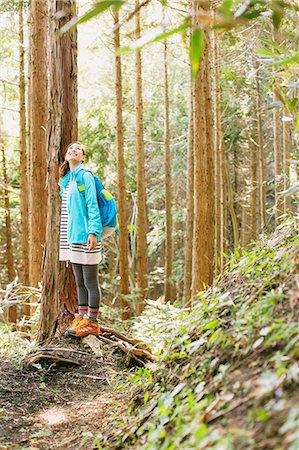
[237, 345]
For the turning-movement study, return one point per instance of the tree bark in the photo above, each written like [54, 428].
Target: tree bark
[141, 193]
[168, 190]
[286, 162]
[23, 159]
[204, 184]
[189, 199]
[121, 183]
[261, 154]
[277, 149]
[12, 312]
[59, 296]
[254, 191]
[38, 121]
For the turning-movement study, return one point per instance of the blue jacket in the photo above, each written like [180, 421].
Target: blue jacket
[83, 211]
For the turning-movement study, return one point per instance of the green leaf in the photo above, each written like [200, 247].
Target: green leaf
[294, 59]
[226, 8]
[196, 49]
[211, 325]
[155, 35]
[297, 124]
[273, 45]
[263, 51]
[98, 8]
[146, 396]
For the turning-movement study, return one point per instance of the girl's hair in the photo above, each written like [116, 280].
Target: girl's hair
[65, 167]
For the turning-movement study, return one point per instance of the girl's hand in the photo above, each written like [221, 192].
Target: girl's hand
[92, 241]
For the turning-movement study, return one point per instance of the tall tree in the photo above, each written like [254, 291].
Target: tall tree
[141, 193]
[204, 184]
[59, 296]
[189, 197]
[121, 183]
[38, 121]
[168, 190]
[261, 153]
[220, 178]
[23, 157]
[12, 312]
[286, 139]
[277, 144]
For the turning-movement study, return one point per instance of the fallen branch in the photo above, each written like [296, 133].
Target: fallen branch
[44, 355]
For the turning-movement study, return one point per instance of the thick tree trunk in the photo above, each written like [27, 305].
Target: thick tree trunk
[122, 202]
[168, 196]
[23, 160]
[59, 296]
[189, 199]
[204, 185]
[38, 121]
[141, 194]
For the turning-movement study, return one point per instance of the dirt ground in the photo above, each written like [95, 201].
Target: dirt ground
[59, 405]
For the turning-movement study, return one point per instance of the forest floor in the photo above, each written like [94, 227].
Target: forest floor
[60, 406]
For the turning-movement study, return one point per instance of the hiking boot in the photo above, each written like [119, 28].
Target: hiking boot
[73, 326]
[85, 327]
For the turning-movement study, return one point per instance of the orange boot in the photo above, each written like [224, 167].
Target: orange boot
[73, 326]
[85, 327]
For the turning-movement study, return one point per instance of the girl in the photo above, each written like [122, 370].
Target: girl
[80, 238]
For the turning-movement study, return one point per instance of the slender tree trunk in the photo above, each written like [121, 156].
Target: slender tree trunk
[12, 312]
[220, 179]
[189, 199]
[122, 202]
[230, 206]
[204, 185]
[261, 154]
[286, 162]
[254, 191]
[59, 296]
[38, 121]
[141, 194]
[277, 148]
[168, 197]
[23, 159]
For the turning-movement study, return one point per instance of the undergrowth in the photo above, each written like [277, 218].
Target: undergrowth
[227, 376]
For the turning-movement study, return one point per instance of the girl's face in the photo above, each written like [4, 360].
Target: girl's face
[75, 153]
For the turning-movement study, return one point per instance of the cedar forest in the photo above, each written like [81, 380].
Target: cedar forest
[189, 111]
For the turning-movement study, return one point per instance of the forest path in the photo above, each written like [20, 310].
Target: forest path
[55, 406]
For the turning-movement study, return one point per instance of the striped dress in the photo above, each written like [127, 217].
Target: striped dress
[75, 253]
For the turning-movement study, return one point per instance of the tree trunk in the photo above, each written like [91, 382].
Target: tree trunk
[204, 185]
[261, 154]
[12, 312]
[23, 160]
[122, 202]
[168, 199]
[254, 191]
[59, 296]
[277, 148]
[189, 199]
[38, 121]
[286, 162]
[141, 194]
[220, 178]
